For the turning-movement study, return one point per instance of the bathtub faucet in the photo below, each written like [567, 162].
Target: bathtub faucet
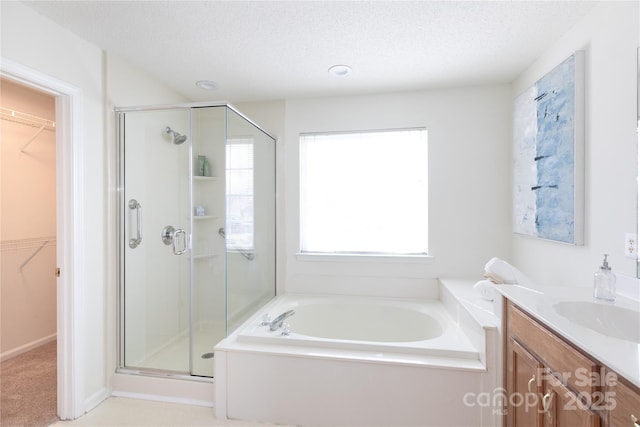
[278, 321]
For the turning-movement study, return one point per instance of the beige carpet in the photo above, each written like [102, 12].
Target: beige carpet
[28, 388]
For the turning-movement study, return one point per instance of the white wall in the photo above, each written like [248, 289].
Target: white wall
[470, 137]
[468, 132]
[37, 43]
[609, 37]
[33, 41]
[129, 86]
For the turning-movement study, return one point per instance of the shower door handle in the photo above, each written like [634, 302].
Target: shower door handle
[170, 236]
[179, 232]
[134, 205]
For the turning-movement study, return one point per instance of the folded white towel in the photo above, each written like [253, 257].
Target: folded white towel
[485, 288]
[499, 271]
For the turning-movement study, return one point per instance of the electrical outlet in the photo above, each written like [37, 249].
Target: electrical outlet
[631, 245]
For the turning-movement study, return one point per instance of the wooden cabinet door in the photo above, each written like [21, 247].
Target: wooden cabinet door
[626, 410]
[563, 408]
[524, 404]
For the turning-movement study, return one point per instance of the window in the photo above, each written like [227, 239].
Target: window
[239, 182]
[364, 193]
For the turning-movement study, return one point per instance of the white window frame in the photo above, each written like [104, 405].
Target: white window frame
[320, 255]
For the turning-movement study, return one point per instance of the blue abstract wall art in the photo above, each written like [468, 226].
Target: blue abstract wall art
[548, 155]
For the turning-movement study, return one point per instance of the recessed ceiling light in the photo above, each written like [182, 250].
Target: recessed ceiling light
[207, 85]
[340, 70]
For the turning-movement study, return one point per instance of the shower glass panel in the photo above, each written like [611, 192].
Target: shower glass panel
[157, 275]
[208, 304]
[250, 218]
[197, 233]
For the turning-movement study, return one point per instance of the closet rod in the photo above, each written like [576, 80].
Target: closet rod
[26, 119]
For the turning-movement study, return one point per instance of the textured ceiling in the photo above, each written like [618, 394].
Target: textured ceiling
[268, 50]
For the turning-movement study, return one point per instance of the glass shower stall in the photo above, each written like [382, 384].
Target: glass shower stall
[196, 232]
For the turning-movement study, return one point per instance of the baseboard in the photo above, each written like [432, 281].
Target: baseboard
[96, 398]
[199, 393]
[26, 347]
[158, 398]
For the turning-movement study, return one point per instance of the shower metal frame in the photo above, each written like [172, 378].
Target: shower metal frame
[121, 203]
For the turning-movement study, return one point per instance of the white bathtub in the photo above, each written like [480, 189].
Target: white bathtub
[384, 326]
[353, 361]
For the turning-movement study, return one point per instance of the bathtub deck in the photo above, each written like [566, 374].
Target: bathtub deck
[388, 358]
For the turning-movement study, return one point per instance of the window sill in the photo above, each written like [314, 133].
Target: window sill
[322, 257]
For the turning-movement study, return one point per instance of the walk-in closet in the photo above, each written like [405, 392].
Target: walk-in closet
[28, 255]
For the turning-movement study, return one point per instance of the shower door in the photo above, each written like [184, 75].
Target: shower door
[157, 225]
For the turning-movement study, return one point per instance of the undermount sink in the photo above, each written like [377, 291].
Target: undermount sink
[611, 320]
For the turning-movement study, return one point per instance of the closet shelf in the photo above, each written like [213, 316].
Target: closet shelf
[204, 178]
[29, 120]
[26, 119]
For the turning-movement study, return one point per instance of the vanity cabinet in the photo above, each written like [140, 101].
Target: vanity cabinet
[550, 383]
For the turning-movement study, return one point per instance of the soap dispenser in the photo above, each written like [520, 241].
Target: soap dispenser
[604, 282]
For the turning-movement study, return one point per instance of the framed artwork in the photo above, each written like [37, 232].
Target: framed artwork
[548, 152]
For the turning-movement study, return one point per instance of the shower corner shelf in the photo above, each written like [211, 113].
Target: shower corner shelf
[204, 256]
[202, 217]
[204, 178]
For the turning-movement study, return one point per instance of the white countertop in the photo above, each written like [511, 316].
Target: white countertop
[621, 355]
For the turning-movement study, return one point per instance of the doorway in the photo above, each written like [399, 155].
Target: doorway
[70, 248]
[28, 231]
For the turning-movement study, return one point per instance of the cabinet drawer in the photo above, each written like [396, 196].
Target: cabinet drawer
[576, 370]
[627, 405]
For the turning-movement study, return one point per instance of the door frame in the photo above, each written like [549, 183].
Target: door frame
[70, 248]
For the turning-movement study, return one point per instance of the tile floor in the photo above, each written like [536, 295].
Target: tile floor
[120, 411]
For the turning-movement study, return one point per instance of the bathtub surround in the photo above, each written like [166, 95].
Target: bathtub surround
[363, 380]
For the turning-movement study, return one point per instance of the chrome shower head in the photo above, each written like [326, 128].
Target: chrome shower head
[178, 138]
